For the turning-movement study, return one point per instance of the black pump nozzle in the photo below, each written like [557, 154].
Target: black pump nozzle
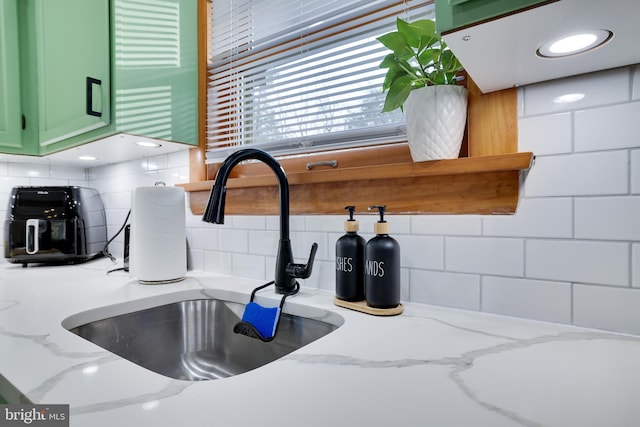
[381, 209]
[351, 210]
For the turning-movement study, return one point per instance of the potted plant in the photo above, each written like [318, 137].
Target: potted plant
[421, 81]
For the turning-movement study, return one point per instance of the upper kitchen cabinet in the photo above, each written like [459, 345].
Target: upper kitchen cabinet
[507, 43]
[456, 14]
[92, 69]
[155, 60]
[66, 69]
[10, 101]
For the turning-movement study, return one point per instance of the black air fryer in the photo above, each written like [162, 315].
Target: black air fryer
[54, 225]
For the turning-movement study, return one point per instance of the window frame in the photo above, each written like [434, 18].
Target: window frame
[484, 180]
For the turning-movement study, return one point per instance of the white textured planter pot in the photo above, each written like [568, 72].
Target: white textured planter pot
[435, 118]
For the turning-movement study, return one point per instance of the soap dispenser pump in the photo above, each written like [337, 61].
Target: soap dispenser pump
[350, 261]
[382, 266]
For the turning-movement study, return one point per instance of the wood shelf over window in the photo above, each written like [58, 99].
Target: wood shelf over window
[472, 185]
[484, 180]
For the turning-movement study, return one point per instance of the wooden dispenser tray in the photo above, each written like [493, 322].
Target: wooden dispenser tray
[362, 307]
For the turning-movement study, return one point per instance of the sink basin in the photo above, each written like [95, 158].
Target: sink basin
[194, 339]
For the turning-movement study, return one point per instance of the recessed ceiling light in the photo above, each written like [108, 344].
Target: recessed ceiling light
[147, 144]
[574, 43]
[87, 158]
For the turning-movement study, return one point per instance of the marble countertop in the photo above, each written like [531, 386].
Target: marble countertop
[430, 366]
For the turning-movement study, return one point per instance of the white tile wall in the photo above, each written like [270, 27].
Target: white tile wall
[605, 263]
[593, 127]
[602, 88]
[535, 299]
[447, 289]
[543, 217]
[579, 175]
[549, 134]
[485, 255]
[607, 308]
[635, 171]
[570, 254]
[608, 218]
[635, 265]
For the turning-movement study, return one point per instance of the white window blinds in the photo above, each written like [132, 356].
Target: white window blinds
[299, 75]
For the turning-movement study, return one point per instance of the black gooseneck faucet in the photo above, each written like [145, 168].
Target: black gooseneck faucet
[286, 270]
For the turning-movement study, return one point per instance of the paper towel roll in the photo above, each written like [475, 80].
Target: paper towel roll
[158, 244]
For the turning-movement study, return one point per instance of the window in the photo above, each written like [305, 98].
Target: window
[292, 75]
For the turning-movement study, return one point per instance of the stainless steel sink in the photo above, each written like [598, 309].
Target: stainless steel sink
[194, 339]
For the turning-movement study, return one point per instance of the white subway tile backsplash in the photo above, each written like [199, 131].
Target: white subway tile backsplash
[230, 240]
[400, 224]
[30, 170]
[456, 225]
[248, 222]
[484, 255]
[263, 242]
[605, 263]
[42, 181]
[323, 276]
[301, 243]
[635, 265]
[421, 252]
[544, 217]
[602, 88]
[155, 163]
[448, 289]
[579, 175]
[250, 266]
[606, 128]
[195, 260]
[533, 299]
[636, 82]
[543, 135]
[296, 222]
[217, 262]
[600, 307]
[68, 173]
[635, 171]
[204, 237]
[327, 223]
[120, 200]
[608, 218]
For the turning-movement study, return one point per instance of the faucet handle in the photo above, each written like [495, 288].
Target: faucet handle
[303, 271]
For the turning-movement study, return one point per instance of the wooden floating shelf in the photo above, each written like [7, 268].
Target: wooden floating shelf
[467, 185]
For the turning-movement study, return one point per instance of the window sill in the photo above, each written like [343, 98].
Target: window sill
[484, 180]
[467, 185]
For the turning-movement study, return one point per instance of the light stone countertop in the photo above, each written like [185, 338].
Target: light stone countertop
[430, 366]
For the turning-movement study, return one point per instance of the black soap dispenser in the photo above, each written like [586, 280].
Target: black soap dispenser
[382, 266]
[350, 261]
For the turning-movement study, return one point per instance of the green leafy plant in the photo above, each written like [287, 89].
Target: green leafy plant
[420, 58]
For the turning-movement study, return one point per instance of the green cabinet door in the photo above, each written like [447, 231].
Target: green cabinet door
[10, 105]
[73, 67]
[155, 53]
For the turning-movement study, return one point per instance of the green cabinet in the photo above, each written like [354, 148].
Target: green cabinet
[452, 15]
[89, 69]
[64, 46]
[10, 101]
[72, 67]
[155, 68]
